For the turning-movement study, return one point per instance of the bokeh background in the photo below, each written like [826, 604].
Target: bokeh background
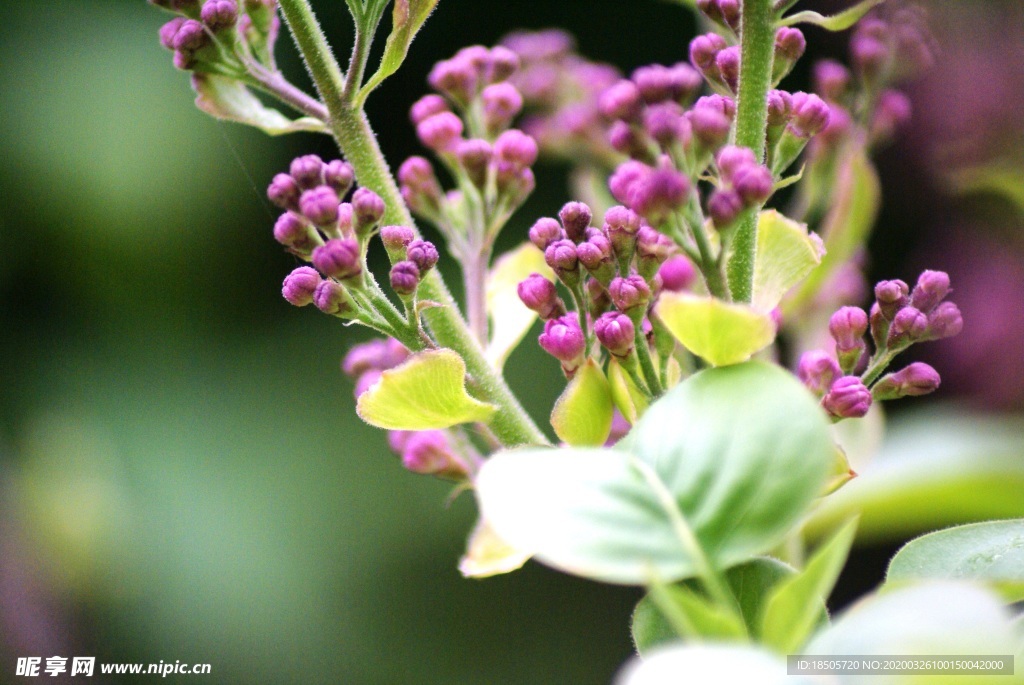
[182, 475]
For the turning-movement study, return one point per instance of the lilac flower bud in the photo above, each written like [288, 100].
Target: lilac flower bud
[517, 148]
[330, 298]
[561, 256]
[284, 192]
[891, 297]
[711, 119]
[848, 398]
[546, 231]
[367, 381]
[818, 370]
[575, 218]
[630, 294]
[426, 107]
[810, 115]
[677, 274]
[912, 381]
[625, 179]
[563, 339]
[405, 278]
[540, 295]
[932, 287]
[616, 332]
[308, 171]
[299, 286]
[595, 254]
[419, 186]
[184, 60]
[780, 107]
[831, 79]
[753, 184]
[428, 453]
[870, 55]
[727, 62]
[652, 249]
[789, 44]
[396, 239]
[455, 78]
[704, 49]
[892, 112]
[658, 83]
[662, 191]
[474, 156]
[368, 208]
[945, 321]
[909, 325]
[666, 124]
[628, 139]
[724, 206]
[379, 354]
[293, 232]
[503, 63]
[732, 157]
[879, 326]
[340, 176]
[219, 14]
[339, 258]
[501, 103]
[621, 101]
[320, 205]
[169, 30]
[847, 327]
[725, 12]
[423, 254]
[440, 132]
[191, 36]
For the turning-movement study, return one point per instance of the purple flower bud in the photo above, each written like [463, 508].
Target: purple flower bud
[662, 191]
[658, 83]
[704, 49]
[711, 119]
[630, 294]
[818, 370]
[677, 274]
[366, 381]
[474, 156]
[626, 177]
[725, 12]
[653, 245]
[191, 36]
[440, 132]
[595, 254]
[780, 107]
[932, 287]
[184, 60]
[753, 184]
[732, 157]
[945, 321]
[540, 295]
[848, 398]
[501, 103]
[299, 286]
[219, 14]
[517, 148]
[169, 30]
[420, 188]
[831, 80]
[426, 107]
[848, 326]
[396, 239]
[423, 254]
[870, 55]
[909, 325]
[789, 44]
[893, 111]
[320, 205]
[561, 256]
[891, 297]
[379, 354]
[724, 206]
[616, 332]
[405, 278]
[621, 101]
[563, 339]
[340, 176]
[912, 381]
[502, 64]
[293, 232]
[455, 78]
[575, 218]
[308, 171]
[330, 298]
[546, 231]
[727, 62]
[368, 208]
[666, 124]
[428, 453]
[810, 115]
[338, 258]
[284, 192]
[628, 139]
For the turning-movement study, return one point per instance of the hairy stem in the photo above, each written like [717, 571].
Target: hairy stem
[757, 40]
[275, 84]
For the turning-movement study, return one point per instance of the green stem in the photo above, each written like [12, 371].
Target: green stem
[757, 52]
[316, 53]
[643, 355]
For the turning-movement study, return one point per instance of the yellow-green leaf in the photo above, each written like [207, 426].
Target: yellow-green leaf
[427, 391]
[582, 416]
[837, 22]
[786, 253]
[230, 100]
[510, 318]
[722, 333]
[488, 555]
[407, 17]
[627, 397]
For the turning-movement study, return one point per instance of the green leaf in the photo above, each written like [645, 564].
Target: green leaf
[230, 100]
[847, 225]
[407, 17]
[786, 253]
[706, 664]
[688, 613]
[488, 555]
[630, 402]
[991, 552]
[427, 391]
[793, 609]
[582, 416]
[936, 469]
[510, 318]
[722, 333]
[750, 583]
[719, 470]
[837, 22]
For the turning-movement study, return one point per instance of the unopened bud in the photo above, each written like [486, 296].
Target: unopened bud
[912, 381]
[564, 340]
[931, 288]
[616, 333]
[818, 370]
[575, 218]
[299, 286]
[908, 326]
[631, 294]
[338, 258]
[546, 231]
[405, 278]
[848, 398]
[368, 208]
[396, 239]
[320, 205]
[892, 296]
[540, 295]
[331, 298]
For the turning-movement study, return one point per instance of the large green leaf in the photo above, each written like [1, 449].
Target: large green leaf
[717, 471]
[722, 333]
[991, 552]
[582, 416]
[427, 391]
[670, 612]
[937, 468]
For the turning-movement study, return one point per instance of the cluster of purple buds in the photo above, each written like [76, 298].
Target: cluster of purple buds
[743, 184]
[426, 452]
[613, 274]
[793, 119]
[842, 396]
[211, 35]
[901, 317]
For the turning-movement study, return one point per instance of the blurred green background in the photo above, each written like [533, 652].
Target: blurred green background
[182, 475]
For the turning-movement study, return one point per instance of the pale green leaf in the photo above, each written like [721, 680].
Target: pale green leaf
[688, 613]
[722, 333]
[709, 665]
[582, 416]
[837, 22]
[510, 318]
[630, 402]
[792, 610]
[488, 555]
[990, 552]
[786, 253]
[719, 470]
[407, 17]
[427, 391]
[230, 100]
